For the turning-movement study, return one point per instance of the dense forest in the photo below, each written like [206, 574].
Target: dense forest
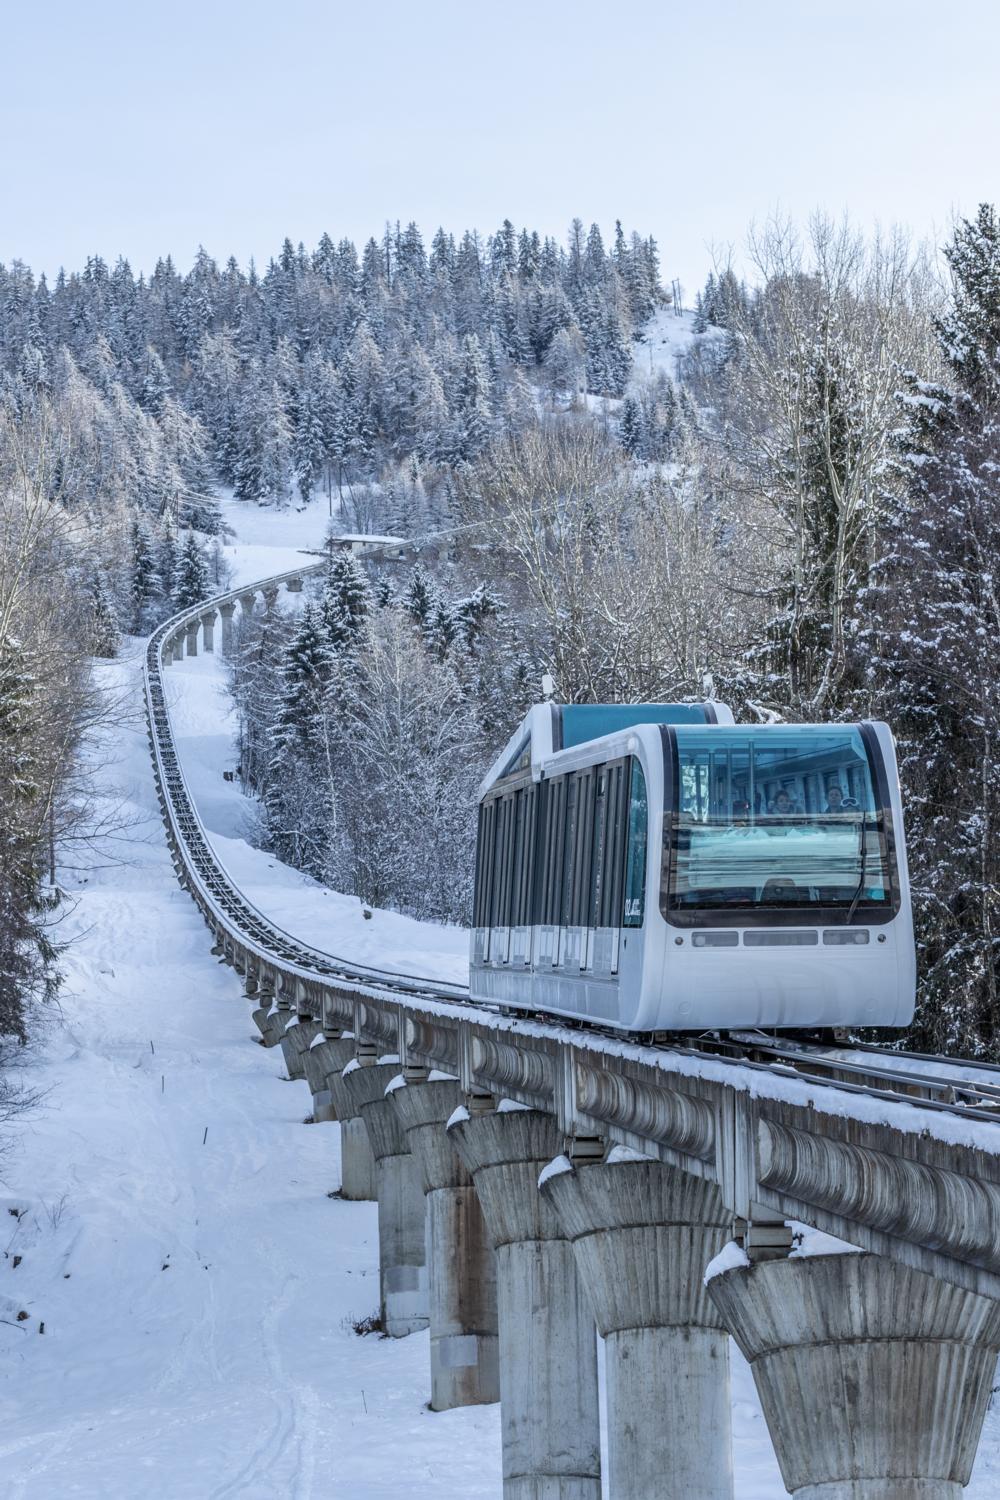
[801, 518]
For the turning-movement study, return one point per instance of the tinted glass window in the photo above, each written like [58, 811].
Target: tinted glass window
[635, 861]
[775, 817]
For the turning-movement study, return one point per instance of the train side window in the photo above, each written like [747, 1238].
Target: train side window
[513, 901]
[501, 861]
[614, 860]
[525, 861]
[598, 847]
[569, 851]
[555, 834]
[580, 914]
[635, 864]
[484, 863]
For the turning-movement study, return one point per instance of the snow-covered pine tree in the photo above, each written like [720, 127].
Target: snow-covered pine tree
[346, 601]
[145, 583]
[190, 583]
[296, 769]
[309, 440]
[104, 634]
[630, 426]
[420, 597]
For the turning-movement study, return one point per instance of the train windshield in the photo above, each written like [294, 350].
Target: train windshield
[775, 818]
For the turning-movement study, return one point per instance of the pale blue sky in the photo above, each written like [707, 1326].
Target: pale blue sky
[144, 129]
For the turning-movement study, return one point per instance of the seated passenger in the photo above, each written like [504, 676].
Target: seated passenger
[741, 815]
[836, 802]
[782, 806]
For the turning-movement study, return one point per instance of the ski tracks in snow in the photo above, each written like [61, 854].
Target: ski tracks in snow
[283, 1460]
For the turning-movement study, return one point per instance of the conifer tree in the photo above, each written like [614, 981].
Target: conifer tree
[631, 426]
[145, 583]
[346, 601]
[191, 575]
[104, 632]
[420, 598]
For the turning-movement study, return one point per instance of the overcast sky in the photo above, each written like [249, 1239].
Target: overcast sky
[138, 130]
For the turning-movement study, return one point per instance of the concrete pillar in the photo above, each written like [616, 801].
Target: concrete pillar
[327, 1053]
[208, 629]
[643, 1234]
[247, 602]
[270, 597]
[227, 611]
[297, 1038]
[191, 631]
[874, 1378]
[549, 1420]
[465, 1358]
[273, 1014]
[294, 585]
[401, 1234]
[357, 1164]
[262, 1002]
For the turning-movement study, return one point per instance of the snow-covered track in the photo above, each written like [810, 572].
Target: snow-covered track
[896, 1155]
[214, 888]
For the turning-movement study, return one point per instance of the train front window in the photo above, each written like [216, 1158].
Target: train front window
[774, 817]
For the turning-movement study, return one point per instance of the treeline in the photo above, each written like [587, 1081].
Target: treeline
[331, 367]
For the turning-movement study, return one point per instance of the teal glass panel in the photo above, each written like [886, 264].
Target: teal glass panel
[776, 816]
[589, 721]
[635, 859]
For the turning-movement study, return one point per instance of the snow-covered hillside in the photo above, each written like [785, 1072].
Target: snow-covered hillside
[665, 339]
[170, 1209]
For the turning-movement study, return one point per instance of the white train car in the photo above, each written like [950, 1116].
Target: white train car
[659, 868]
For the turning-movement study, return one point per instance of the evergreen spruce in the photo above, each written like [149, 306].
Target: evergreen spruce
[104, 632]
[191, 575]
[346, 601]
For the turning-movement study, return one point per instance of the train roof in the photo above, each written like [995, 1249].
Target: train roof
[550, 727]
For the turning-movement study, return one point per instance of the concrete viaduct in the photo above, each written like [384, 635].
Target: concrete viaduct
[538, 1185]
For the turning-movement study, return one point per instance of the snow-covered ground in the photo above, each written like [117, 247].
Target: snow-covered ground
[665, 338]
[171, 1213]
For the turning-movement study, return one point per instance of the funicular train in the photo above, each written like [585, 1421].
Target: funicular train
[659, 868]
